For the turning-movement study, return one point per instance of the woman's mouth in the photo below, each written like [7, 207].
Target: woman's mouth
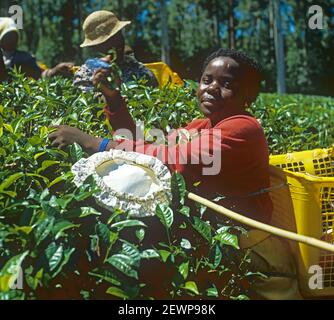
[209, 102]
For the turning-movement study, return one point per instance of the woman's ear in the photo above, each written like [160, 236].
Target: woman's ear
[245, 96]
[251, 92]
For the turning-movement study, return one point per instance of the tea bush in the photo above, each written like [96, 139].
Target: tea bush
[58, 243]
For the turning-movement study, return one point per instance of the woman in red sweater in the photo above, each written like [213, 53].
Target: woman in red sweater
[234, 142]
[228, 139]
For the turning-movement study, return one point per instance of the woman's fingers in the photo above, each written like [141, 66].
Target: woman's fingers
[53, 130]
[63, 136]
[54, 133]
[55, 143]
[108, 58]
[101, 73]
[100, 77]
[55, 137]
[59, 143]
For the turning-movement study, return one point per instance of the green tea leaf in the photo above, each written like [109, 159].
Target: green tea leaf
[150, 254]
[212, 292]
[43, 229]
[131, 251]
[76, 152]
[8, 127]
[34, 281]
[46, 164]
[184, 269]
[178, 189]
[185, 244]
[61, 226]
[228, 239]
[10, 180]
[81, 212]
[106, 275]
[55, 258]
[164, 255]
[117, 292]
[39, 154]
[191, 286]
[103, 232]
[185, 211]
[203, 228]
[128, 223]
[165, 214]
[35, 141]
[240, 297]
[124, 264]
[215, 256]
[140, 234]
[11, 271]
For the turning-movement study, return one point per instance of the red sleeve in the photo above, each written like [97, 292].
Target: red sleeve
[229, 148]
[120, 119]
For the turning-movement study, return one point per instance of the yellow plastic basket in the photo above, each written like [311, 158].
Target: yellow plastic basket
[164, 74]
[306, 206]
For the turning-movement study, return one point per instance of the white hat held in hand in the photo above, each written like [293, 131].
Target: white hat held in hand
[131, 181]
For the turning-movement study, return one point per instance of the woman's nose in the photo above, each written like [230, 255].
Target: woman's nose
[213, 87]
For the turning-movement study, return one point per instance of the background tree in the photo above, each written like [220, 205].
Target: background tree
[279, 46]
[53, 31]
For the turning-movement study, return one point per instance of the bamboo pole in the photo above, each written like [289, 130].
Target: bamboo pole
[262, 226]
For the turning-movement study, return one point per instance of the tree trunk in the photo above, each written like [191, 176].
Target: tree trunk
[32, 40]
[217, 24]
[120, 9]
[231, 25]
[165, 50]
[279, 47]
[271, 32]
[67, 26]
[41, 15]
[80, 22]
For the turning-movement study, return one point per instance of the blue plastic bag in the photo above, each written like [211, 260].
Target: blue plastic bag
[95, 63]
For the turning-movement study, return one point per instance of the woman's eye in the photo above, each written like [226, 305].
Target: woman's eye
[227, 84]
[206, 80]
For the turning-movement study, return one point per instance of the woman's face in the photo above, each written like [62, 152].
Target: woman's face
[10, 41]
[115, 42]
[220, 87]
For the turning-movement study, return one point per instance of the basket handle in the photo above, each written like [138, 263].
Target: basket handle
[262, 226]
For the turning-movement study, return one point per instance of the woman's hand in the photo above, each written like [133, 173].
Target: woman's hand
[66, 135]
[113, 96]
[100, 81]
[62, 69]
[108, 58]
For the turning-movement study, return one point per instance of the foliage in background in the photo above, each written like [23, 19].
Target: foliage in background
[196, 27]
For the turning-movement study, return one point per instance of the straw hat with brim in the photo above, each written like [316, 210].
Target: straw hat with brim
[133, 182]
[7, 25]
[100, 26]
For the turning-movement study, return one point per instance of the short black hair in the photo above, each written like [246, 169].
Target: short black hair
[247, 64]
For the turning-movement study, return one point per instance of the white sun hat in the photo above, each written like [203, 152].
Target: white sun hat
[100, 26]
[131, 181]
[7, 25]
